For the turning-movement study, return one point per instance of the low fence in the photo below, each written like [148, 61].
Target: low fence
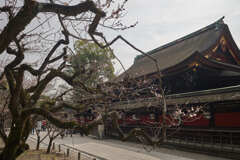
[224, 143]
[70, 153]
[221, 138]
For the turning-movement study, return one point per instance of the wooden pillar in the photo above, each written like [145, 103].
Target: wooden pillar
[212, 118]
[164, 113]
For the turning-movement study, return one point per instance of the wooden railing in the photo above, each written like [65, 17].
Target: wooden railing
[209, 141]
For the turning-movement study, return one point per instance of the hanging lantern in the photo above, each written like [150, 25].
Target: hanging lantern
[207, 114]
[152, 116]
[134, 117]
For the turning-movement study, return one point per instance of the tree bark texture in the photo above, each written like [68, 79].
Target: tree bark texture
[15, 144]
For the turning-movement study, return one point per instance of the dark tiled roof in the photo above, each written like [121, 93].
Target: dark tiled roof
[177, 51]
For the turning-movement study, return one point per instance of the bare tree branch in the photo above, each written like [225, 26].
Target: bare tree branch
[62, 124]
[5, 9]
[47, 59]
[30, 10]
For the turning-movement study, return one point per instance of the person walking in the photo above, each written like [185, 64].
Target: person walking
[39, 126]
[44, 123]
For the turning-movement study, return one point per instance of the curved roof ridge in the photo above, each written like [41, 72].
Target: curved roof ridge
[193, 34]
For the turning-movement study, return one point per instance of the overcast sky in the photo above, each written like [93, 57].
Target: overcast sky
[162, 21]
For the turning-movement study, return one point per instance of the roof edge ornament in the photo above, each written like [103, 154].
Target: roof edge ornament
[217, 25]
[220, 20]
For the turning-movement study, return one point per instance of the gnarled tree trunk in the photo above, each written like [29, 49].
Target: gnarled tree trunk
[15, 143]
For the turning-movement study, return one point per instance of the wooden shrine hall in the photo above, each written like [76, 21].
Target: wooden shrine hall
[200, 68]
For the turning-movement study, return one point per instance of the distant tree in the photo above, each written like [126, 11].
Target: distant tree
[40, 139]
[53, 132]
[96, 62]
[95, 65]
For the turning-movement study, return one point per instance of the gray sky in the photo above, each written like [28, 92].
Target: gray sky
[162, 21]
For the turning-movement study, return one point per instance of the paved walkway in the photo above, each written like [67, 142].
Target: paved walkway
[105, 151]
[117, 150]
[113, 153]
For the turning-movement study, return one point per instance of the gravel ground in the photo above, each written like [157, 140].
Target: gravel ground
[38, 155]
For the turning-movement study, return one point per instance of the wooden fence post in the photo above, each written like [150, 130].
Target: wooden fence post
[67, 152]
[53, 147]
[59, 148]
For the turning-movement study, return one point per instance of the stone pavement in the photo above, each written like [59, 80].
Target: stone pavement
[117, 150]
[113, 153]
[106, 151]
